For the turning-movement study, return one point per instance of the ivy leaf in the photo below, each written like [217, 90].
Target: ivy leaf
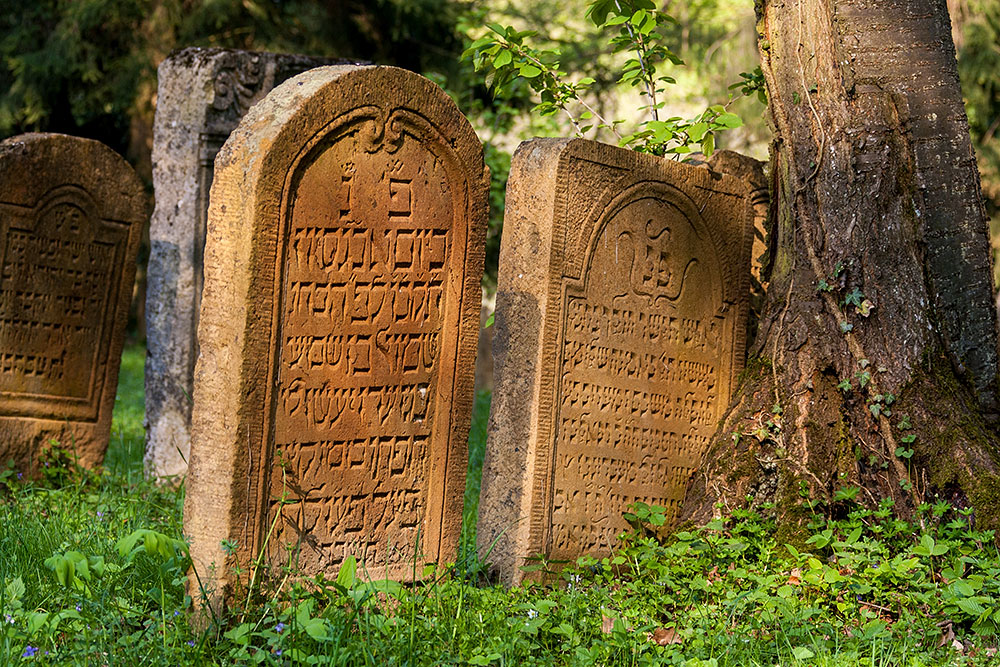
[854, 298]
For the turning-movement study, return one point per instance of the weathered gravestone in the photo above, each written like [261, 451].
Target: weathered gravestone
[71, 216]
[620, 327]
[338, 328]
[201, 97]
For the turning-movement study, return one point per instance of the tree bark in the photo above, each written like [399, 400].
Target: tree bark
[878, 334]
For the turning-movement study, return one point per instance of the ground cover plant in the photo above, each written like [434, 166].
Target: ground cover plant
[93, 563]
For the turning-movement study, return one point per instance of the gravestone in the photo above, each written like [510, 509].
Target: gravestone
[72, 216]
[202, 94]
[338, 329]
[620, 327]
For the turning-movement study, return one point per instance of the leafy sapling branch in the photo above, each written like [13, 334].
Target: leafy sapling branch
[506, 55]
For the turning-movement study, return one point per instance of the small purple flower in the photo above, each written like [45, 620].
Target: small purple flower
[190, 642]
[177, 612]
[100, 515]
[78, 607]
[277, 651]
[29, 651]
[20, 475]
[279, 628]
[8, 618]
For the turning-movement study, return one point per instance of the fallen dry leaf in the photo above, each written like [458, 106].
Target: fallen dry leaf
[666, 636]
[796, 577]
[607, 624]
[947, 635]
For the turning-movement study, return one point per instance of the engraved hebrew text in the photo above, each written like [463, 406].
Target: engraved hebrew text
[639, 376]
[362, 308]
[54, 292]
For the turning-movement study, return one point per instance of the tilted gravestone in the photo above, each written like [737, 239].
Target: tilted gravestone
[338, 329]
[71, 216]
[620, 327]
[202, 95]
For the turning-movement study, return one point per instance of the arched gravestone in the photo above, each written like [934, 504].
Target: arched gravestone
[201, 96]
[338, 328]
[71, 216]
[621, 320]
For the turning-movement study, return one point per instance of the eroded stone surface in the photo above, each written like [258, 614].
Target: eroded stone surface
[338, 328]
[71, 216]
[202, 95]
[752, 172]
[620, 327]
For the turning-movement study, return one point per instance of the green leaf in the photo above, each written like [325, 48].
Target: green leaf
[37, 620]
[729, 120]
[802, 653]
[529, 71]
[127, 543]
[240, 634]
[348, 568]
[599, 10]
[317, 629]
[697, 132]
[15, 589]
[387, 586]
[97, 564]
[962, 588]
[708, 145]
[970, 606]
[503, 58]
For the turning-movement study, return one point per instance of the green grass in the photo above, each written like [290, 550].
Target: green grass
[477, 449]
[128, 436]
[865, 589]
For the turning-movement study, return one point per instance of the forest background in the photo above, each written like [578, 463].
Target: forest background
[88, 68]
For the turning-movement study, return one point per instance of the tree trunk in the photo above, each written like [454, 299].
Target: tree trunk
[878, 334]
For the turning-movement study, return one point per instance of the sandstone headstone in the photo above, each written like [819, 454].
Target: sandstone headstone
[338, 329]
[202, 95]
[71, 216]
[620, 327]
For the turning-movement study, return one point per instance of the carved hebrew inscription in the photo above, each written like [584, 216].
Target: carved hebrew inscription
[367, 260]
[640, 358]
[620, 327]
[59, 274]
